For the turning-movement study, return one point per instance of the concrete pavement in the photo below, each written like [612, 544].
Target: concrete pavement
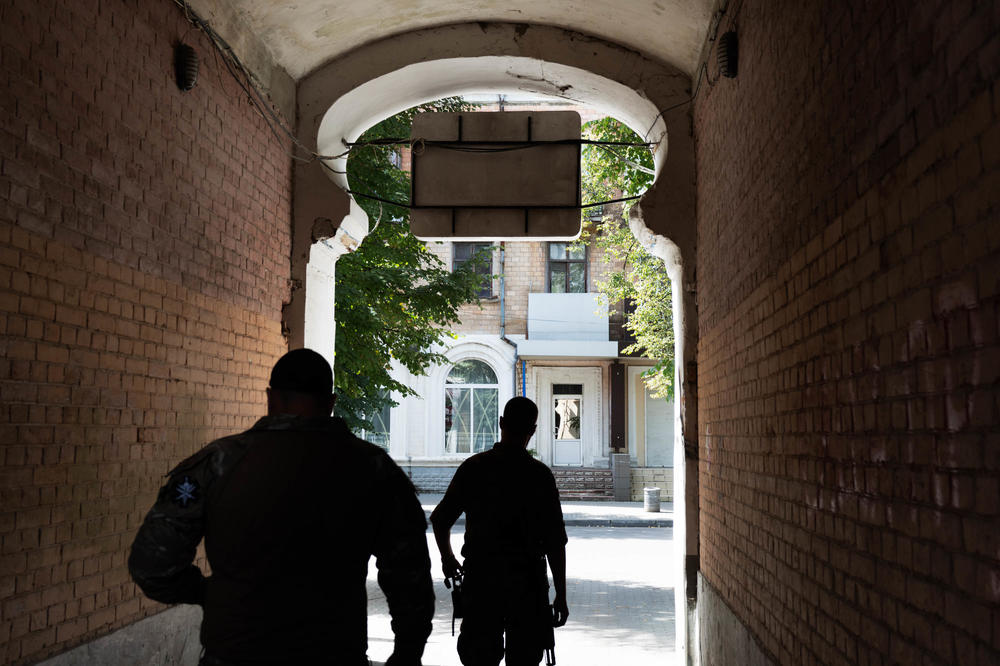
[620, 587]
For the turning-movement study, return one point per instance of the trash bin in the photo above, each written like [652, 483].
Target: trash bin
[651, 500]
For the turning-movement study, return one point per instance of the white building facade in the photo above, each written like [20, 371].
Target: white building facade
[544, 332]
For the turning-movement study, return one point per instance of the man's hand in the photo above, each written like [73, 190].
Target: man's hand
[450, 566]
[560, 612]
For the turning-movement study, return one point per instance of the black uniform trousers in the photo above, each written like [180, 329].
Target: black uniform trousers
[505, 607]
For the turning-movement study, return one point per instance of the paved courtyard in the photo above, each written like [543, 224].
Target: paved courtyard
[620, 587]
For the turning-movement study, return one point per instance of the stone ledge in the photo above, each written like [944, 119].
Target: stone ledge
[722, 638]
[164, 639]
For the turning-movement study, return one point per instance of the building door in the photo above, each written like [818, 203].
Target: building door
[567, 444]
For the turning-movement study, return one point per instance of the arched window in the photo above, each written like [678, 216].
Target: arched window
[471, 398]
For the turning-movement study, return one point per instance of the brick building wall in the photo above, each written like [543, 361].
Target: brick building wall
[848, 272]
[144, 259]
[652, 477]
[525, 266]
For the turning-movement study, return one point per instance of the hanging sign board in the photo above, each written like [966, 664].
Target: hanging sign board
[496, 176]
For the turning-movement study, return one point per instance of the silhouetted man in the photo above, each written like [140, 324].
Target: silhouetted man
[513, 521]
[291, 511]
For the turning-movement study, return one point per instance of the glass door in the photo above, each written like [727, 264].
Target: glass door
[567, 445]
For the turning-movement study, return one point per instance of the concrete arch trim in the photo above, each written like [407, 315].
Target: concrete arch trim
[428, 80]
[668, 207]
[492, 351]
[658, 82]
[344, 97]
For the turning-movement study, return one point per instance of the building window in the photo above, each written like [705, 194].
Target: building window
[595, 214]
[567, 399]
[471, 416]
[379, 434]
[567, 268]
[482, 253]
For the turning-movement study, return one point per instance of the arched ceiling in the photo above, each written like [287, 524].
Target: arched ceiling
[301, 35]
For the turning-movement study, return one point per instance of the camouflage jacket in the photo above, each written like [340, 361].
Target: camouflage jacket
[291, 512]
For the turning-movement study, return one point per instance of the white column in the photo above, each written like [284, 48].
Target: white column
[320, 326]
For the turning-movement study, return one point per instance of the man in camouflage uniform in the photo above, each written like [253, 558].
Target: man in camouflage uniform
[513, 522]
[291, 511]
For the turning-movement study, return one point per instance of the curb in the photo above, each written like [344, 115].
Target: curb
[599, 522]
[615, 522]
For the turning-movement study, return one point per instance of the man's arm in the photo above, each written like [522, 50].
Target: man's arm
[557, 562]
[555, 550]
[404, 565]
[442, 518]
[449, 563]
[162, 557]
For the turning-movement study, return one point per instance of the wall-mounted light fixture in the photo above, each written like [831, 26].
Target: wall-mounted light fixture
[729, 55]
[185, 66]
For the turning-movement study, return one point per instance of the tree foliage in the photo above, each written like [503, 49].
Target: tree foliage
[395, 299]
[610, 172]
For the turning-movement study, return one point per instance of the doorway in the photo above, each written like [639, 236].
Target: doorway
[567, 444]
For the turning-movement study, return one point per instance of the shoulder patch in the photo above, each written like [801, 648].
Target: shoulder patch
[185, 491]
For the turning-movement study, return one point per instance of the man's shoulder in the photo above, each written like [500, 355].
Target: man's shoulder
[482, 461]
[215, 454]
[530, 469]
[331, 430]
[541, 472]
[481, 458]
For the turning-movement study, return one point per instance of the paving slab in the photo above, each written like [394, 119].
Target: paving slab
[620, 587]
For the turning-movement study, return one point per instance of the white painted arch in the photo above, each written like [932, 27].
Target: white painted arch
[421, 82]
[303, 35]
[384, 96]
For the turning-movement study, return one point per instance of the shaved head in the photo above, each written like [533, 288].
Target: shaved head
[519, 416]
[301, 385]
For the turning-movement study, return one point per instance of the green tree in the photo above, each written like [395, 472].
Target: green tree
[610, 172]
[395, 299]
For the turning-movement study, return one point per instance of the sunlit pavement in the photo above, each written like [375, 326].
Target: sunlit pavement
[620, 585]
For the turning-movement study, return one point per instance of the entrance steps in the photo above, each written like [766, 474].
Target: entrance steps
[584, 484]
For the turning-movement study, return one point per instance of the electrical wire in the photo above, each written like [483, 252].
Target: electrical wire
[625, 160]
[703, 70]
[498, 146]
[245, 80]
[400, 204]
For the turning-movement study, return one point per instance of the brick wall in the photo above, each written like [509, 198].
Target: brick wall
[144, 252]
[525, 269]
[848, 268]
[653, 477]
[430, 479]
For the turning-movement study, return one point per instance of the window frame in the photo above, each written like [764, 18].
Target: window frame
[567, 261]
[472, 401]
[487, 290]
[371, 436]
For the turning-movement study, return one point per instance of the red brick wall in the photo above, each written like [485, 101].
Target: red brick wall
[144, 244]
[849, 367]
